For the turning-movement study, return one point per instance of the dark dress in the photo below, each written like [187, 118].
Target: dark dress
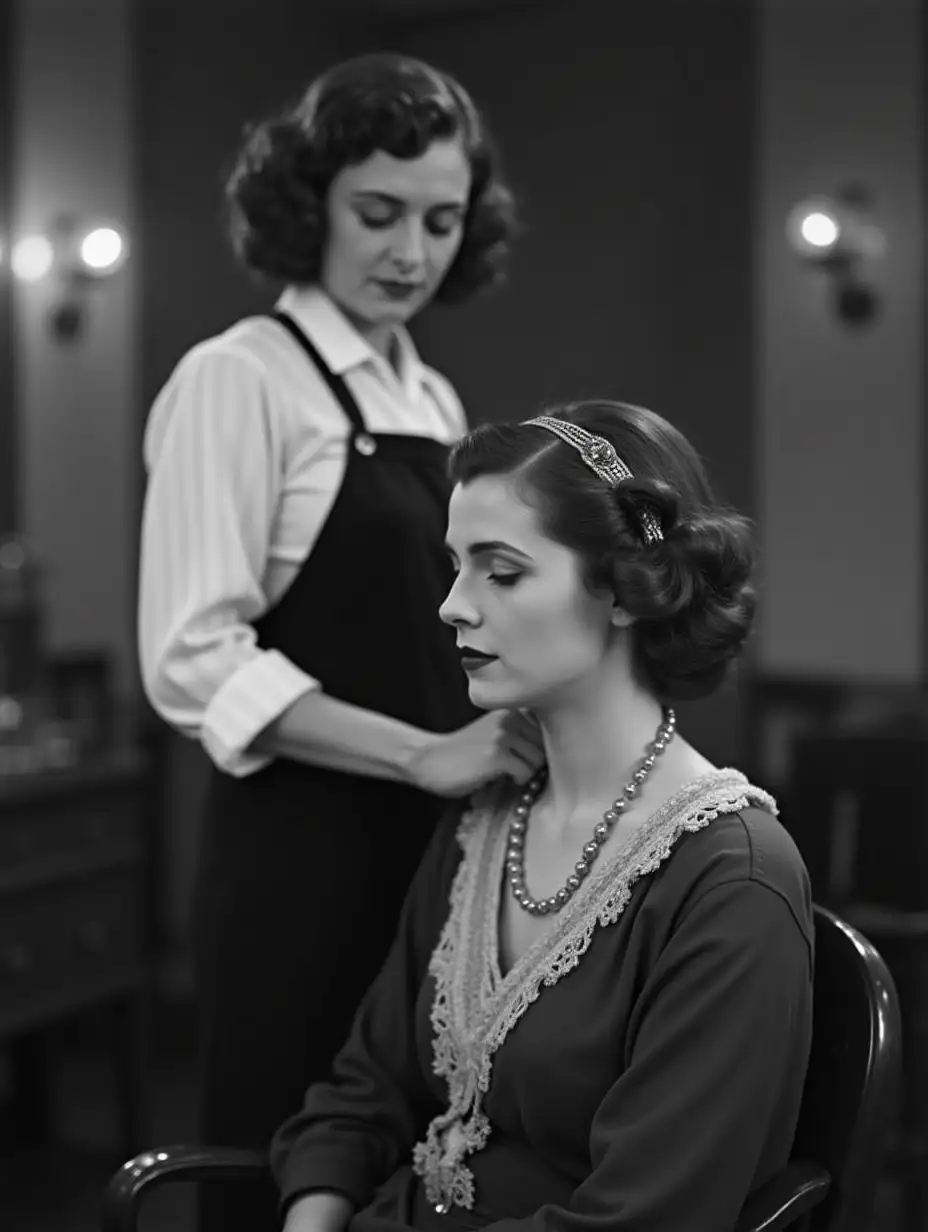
[640, 1067]
[303, 871]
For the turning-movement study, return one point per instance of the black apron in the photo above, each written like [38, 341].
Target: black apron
[302, 870]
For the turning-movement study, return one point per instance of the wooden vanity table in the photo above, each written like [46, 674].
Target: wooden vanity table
[75, 926]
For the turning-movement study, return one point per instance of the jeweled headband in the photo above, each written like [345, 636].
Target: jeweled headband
[601, 457]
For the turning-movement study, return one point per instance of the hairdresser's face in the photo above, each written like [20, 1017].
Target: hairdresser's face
[394, 227]
[519, 599]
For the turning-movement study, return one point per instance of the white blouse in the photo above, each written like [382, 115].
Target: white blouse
[245, 449]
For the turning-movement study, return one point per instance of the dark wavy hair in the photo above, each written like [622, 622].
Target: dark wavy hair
[277, 190]
[691, 593]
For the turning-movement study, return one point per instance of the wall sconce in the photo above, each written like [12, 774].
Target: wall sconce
[837, 235]
[79, 256]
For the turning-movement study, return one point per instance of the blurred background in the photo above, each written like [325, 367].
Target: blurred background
[724, 204]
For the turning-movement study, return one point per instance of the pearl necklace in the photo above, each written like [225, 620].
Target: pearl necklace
[515, 855]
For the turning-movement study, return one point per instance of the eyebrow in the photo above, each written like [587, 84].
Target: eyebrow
[390, 199]
[491, 545]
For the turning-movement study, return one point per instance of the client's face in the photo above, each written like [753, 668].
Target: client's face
[538, 636]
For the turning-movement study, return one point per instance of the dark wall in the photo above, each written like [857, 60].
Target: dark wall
[8, 460]
[923, 674]
[631, 144]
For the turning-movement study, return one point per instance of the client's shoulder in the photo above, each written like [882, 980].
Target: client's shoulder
[740, 838]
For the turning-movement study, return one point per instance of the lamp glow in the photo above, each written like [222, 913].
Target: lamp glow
[819, 229]
[32, 258]
[838, 236]
[101, 249]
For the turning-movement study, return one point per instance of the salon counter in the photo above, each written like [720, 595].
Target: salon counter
[75, 925]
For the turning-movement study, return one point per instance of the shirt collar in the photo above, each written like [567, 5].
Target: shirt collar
[340, 344]
[337, 340]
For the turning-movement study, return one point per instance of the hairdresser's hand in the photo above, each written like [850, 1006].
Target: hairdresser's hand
[501, 742]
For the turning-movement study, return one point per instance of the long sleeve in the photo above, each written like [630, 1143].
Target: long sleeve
[714, 1073]
[355, 1129]
[215, 461]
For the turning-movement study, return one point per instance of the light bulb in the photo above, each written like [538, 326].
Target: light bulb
[101, 249]
[32, 257]
[819, 229]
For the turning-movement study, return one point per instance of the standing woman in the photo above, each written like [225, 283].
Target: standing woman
[293, 564]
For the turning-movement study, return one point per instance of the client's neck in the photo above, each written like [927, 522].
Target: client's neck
[595, 740]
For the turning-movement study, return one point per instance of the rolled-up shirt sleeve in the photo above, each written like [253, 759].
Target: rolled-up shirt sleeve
[214, 459]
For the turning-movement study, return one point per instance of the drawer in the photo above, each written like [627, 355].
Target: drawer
[60, 942]
[54, 836]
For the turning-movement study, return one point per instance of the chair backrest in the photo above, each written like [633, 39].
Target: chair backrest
[852, 1083]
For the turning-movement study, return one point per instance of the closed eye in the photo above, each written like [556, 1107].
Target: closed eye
[445, 221]
[377, 222]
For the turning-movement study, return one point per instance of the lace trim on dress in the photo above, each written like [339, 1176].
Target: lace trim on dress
[475, 1006]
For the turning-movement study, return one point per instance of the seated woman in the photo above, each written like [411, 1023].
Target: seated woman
[596, 1015]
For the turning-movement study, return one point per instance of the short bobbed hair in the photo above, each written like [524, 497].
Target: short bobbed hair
[276, 192]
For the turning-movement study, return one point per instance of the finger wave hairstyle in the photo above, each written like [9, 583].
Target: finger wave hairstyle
[692, 593]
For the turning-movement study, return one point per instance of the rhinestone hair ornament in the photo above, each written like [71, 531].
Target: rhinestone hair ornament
[601, 457]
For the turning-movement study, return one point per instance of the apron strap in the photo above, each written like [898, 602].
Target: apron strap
[335, 382]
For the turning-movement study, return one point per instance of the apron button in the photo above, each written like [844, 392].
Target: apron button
[365, 444]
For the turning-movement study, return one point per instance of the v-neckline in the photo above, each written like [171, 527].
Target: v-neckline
[591, 888]
[475, 1005]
